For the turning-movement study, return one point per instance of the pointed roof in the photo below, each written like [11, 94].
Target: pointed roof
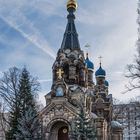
[70, 39]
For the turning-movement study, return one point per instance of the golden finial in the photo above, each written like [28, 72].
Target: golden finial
[72, 4]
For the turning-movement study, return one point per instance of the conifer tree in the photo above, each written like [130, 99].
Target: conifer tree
[83, 127]
[13, 123]
[10, 91]
[28, 123]
[29, 126]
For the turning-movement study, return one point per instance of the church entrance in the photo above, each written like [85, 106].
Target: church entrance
[63, 133]
[59, 131]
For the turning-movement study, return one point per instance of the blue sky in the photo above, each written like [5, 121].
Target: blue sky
[31, 32]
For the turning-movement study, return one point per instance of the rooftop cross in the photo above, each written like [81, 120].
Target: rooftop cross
[59, 73]
[87, 46]
[100, 59]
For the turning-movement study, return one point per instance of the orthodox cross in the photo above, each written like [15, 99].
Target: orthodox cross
[87, 45]
[59, 73]
[100, 58]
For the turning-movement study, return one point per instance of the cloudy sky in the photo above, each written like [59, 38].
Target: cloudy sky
[31, 32]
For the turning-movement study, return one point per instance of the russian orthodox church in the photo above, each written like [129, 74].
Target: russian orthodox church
[72, 79]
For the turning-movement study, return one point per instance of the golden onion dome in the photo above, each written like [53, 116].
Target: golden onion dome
[71, 4]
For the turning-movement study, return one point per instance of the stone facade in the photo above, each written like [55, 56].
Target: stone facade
[73, 80]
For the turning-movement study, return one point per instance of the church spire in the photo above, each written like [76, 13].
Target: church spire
[70, 40]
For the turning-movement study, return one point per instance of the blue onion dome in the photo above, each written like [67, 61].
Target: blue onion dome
[100, 72]
[88, 63]
[106, 83]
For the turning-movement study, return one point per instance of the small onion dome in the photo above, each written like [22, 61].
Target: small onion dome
[88, 63]
[100, 72]
[106, 83]
[115, 124]
[71, 4]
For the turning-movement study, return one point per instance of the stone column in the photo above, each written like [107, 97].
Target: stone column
[117, 134]
[100, 129]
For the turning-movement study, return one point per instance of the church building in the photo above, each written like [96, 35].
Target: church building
[73, 79]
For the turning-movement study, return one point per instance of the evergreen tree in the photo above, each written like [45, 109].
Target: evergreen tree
[13, 123]
[29, 126]
[11, 93]
[83, 127]
[28, 123]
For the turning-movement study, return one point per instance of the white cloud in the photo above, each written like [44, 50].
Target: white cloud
[112, 32]
[108, 26]
[17, 19]
[1, 73]
[45, 80]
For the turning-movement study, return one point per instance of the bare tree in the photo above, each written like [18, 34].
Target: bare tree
[133, 73]
[9, 86]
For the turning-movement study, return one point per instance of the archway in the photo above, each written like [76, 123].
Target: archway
[59, 131]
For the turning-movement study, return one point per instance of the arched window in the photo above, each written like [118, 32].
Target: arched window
[59, 92]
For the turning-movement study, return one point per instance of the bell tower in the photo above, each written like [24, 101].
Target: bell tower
[70, 58]
[69, 83]
[73, 88]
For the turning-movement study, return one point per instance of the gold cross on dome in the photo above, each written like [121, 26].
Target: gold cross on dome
[59, 73]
